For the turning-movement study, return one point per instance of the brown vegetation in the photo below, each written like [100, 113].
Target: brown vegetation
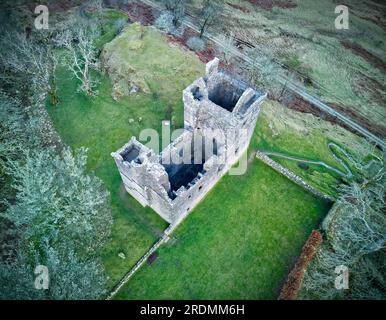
[205, 56]
[370, 58]
[54, 6]
[238, 7]
[140, 12]
[301, 105]
[293, 283]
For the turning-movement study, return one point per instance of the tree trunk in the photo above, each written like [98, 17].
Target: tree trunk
[203, 28]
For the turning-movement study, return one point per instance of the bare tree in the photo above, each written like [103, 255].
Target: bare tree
[67, 222]
[177, 9]
[228, 48]
[81, 57]
[355, 237]
[265, 72]
[263, 69]
[53, 91]
[210, 12]
[11, 127]
[357, 227]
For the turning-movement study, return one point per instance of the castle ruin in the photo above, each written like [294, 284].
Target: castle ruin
[220, 115]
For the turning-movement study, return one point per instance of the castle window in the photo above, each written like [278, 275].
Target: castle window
[197, 94]
[130, 154]
[214, 146]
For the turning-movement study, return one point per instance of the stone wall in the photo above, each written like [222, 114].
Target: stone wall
[292, 176]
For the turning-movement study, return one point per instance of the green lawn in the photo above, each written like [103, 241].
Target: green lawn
[237, 244]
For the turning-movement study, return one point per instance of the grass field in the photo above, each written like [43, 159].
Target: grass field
[103, 125]
[237, 244]
[240, 242]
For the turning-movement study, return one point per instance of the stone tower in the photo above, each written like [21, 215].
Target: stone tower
[220, 115]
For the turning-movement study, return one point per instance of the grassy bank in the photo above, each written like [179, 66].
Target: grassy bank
[305, 136]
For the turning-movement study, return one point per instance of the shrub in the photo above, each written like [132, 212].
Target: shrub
[196, 44]
[165, 22]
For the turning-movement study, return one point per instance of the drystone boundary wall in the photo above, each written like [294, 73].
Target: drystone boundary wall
[295, 278]
[164, 238]
[292, 176]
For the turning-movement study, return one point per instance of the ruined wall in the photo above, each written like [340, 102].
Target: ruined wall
[219, 118]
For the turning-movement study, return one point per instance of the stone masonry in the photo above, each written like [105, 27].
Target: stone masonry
[220, 114]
